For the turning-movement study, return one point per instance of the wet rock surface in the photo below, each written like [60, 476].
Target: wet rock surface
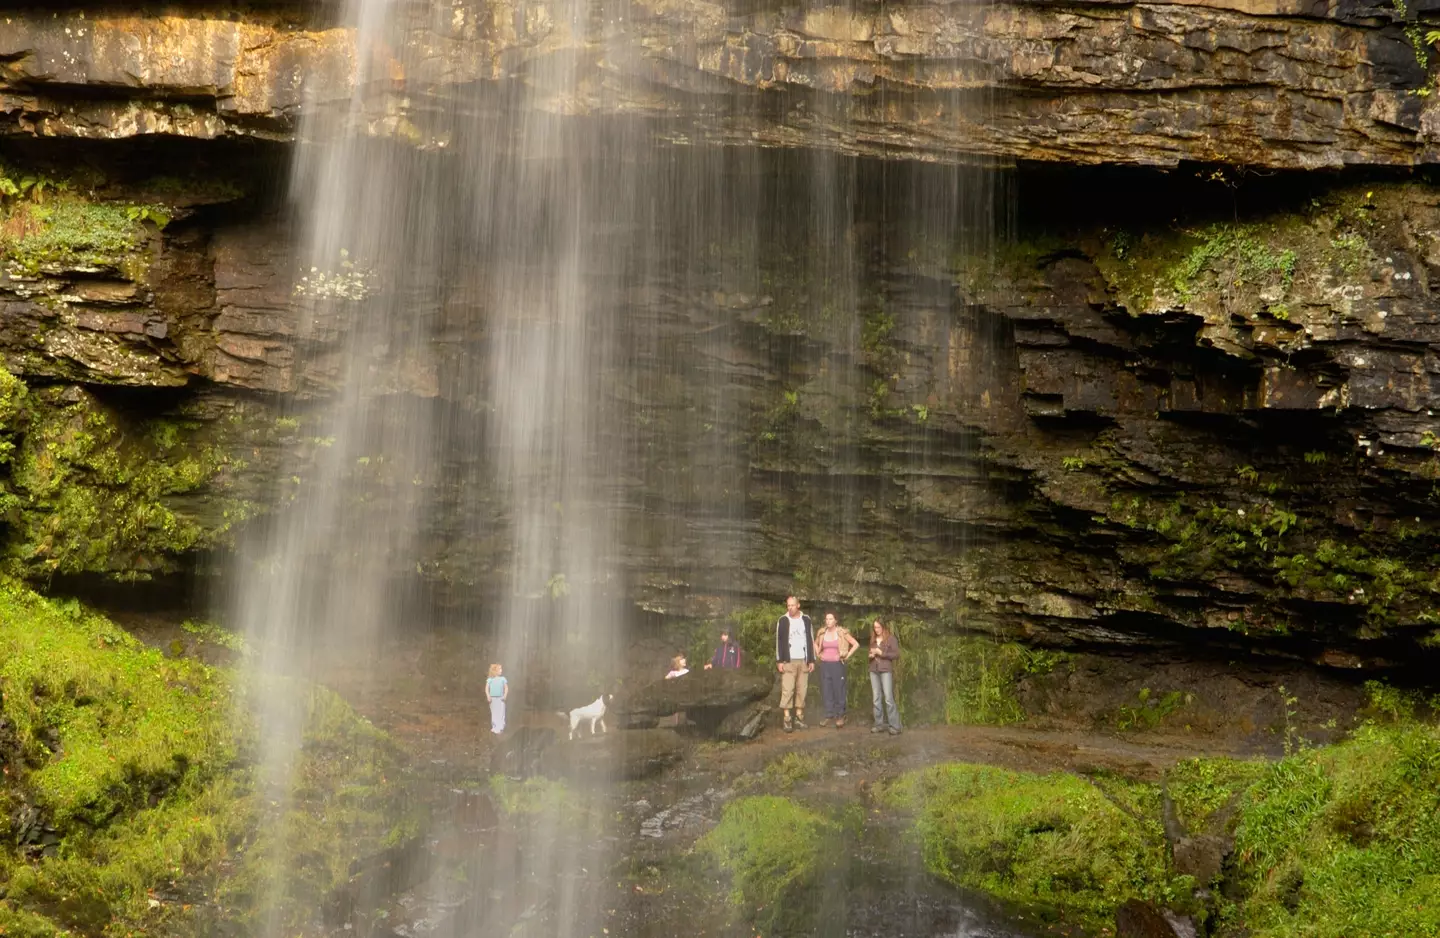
[745, 723]
[1140, 919]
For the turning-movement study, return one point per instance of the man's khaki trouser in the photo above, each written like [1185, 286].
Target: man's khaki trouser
[793, 682]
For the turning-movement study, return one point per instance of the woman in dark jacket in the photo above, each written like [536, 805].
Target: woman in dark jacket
[883, 652]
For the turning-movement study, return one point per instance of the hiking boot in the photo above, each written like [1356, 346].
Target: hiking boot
[878, 728]
[825, 722]
[789, 728]
[800, 723]
[893, 731]
[840, 722]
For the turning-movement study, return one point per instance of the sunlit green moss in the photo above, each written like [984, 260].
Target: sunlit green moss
[140, 763]
[1345, 840]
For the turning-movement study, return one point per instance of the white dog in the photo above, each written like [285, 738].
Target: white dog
[594, 712]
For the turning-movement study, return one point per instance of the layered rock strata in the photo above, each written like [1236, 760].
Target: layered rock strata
[1106, 431]
[1273, 84]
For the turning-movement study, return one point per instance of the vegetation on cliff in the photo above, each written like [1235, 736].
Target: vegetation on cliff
[46, 223]
[88, 488]
[128, 802]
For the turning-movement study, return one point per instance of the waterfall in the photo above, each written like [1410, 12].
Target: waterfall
[527, 318]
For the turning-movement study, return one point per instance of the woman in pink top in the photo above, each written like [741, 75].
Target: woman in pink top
[833, 647]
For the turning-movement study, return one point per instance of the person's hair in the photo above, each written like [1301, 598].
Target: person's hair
[495, 670]
[676, 661]
[876, 628]
[788, 598]
[831, 615]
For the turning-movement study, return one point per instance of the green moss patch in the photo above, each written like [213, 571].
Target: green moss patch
[771, 848]
[1050, 842]
[96, 491]
[69, 232]
[538, 797]
[789, 770]
[346, 799]
[104, 722]
[129, 803]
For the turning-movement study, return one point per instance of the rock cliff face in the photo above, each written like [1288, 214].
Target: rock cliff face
[1160, 404]
[1270, 83]
[1108, 429]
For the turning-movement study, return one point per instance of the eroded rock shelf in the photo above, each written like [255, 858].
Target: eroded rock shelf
[1283, 84]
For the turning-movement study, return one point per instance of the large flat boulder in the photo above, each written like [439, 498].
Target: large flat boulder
[711, 692]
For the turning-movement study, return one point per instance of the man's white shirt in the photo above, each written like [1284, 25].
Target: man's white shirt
[799, 638]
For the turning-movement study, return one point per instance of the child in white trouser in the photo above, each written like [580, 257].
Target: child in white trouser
[497, 689]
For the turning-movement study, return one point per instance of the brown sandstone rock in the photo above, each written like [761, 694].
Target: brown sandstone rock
[1279, 84]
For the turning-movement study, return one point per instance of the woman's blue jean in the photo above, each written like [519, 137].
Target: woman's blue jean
[883, 682]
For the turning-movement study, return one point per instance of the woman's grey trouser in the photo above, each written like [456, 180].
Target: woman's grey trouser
[832, 688]
[884, 682]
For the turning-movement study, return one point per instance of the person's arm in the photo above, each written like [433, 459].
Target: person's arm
[810, 653]
[850, 640]
[715, 660]
[505, 694]
[890, 648]
[779, 637]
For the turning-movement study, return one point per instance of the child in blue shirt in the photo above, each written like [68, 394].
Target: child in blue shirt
[497, 689]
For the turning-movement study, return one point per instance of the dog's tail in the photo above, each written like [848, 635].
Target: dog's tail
[561, 713]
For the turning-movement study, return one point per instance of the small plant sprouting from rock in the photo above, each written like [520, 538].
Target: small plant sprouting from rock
[215, 635]
[347, 281]
[557, 586]
[1073, 463]
[1292, 740]
[1150, 711]
[31, 186]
